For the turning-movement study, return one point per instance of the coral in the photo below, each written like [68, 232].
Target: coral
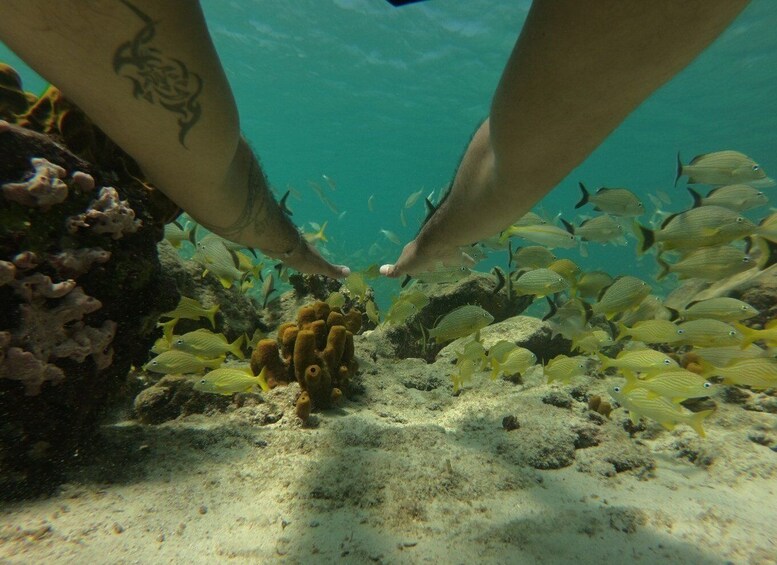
[265, 356]
[71, 263]
[7, 272]
[23, 366]
[43, 189]
[106, 214]
[317, 352]
[303, 407]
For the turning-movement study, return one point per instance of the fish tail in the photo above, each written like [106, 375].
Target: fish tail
[679, 169]
[210, 313]
[749, 335]
[261, 380]
[569, 227]
[664, 268]
[696, 421]
[236, 347]
[604, 360]
[585, 197]
[632, 382]
[645, 238]
[673, 314]
[696, 197]
[213, 363]
[623, 331]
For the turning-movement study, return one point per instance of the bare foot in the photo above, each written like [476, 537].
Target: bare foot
[416, 259]
[308, 260]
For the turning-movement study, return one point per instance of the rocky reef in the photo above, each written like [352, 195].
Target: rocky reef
[79, 276]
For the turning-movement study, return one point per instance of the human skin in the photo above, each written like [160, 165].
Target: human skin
[576, 71]
[146, 72]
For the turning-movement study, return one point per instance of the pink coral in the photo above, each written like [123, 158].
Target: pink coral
[43, 189]
[106, 214]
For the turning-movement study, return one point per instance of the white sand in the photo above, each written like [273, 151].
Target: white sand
[402, 475]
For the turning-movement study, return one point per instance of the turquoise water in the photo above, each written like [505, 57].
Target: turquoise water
[383, 101]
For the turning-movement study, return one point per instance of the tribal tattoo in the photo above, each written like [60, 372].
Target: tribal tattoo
[157, 78]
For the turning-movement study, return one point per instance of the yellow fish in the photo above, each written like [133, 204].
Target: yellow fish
[190, 309]
[413, 198]
[640, 402]
[515, 362]
[708, 263]
[372, 312]
[318, 235]
[174, 361]
[624, 294]
[532, 257]
[706, 332]
[641, 360]
[652, 331]
[544, 234]
[729, 354]
[720, 167]
[737, 197]
[229, 380]
[751, 335]
[591, 283]
[356, 284]
[564, 369]
[539, 283]
[205, 343]
[675, 385]
[723, 308]
[759, 373]
[400, 311]
[335, 299]
[615, 201]
[497, 353]
[461, 322]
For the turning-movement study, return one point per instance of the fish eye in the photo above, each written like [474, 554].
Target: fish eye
[667, 361]
[740, 219]
[756, 167]
[616, 389]
[203, 381]
[732, 333]
[155, 363]
[745, 308]
[680, 331]
[707, 385]
[746, 259]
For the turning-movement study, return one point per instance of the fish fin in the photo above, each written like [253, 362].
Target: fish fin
[622, 331]
[225, 282]
[509, 254]
[696, 197]
[664, 268]
[282, 204]
[569, 227]
[407, 279]
[679, 170]
[552, 311]
[634, 417]
[645, 238]
[211, 315]
[193, 235]
[500, 279]
[262, 380]
[674, 314]
[603, 360]
[696, 421]
[236, 347]
[584, 199]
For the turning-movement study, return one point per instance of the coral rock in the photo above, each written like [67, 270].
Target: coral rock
[43, 189]
[7, 272]
[74, 262]
[23, 366]
[106, 214]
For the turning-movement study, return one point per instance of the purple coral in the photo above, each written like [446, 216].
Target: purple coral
[42, 189]
[106, 214]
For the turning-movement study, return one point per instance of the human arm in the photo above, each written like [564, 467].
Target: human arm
[576, 71]
[147, 74]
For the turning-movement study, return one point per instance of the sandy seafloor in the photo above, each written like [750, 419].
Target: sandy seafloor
[401, 474]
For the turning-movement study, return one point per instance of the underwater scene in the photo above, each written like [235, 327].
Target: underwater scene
[595, 383]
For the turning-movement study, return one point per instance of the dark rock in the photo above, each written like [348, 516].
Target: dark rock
[510, 423]
[174, 396]
[558, 398]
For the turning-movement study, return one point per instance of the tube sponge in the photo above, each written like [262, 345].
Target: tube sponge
[353, 321]
[335, 345]
[303, 407]
[265, 356]
[335, 318]
[305, 316]
[304, 354]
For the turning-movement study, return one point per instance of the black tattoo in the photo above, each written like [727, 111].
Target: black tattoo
[157, 78]
[254, 210]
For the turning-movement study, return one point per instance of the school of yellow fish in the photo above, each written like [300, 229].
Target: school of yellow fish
[595, 310]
